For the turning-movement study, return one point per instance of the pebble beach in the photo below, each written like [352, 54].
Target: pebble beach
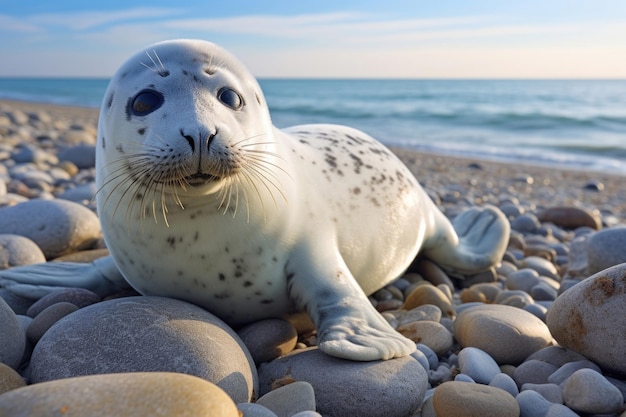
[541, 334]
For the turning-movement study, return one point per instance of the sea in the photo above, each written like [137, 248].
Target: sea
[577, 124]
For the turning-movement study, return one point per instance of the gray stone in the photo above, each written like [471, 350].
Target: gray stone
[144, 394]
[255, 410]
[526, 223]
[508, 334]
[80, 193]
[82, 155]
[18, 250]
[478, 365]
[56, 226]
[564, 372]
[587, 391]
[556, 355]
[141, 334]
[533, 371]
[433, 359]
[524, 280]
[551, 392]
[606, 249]
[47, 318]
[12, 337]
[532, 404]
[505, 382]
[77, 296]
[591, 313]
[349, 388]
[269, 339]
[289, 399]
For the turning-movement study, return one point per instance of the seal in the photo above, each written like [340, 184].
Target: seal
[202, 199]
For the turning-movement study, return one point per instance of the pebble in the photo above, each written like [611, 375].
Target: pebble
[57, 226]
[460, 399]
[581, 318]
[79, 297]
[289, 399]
[478, 365]
[533, 404]
[504, 382]
[508, 334]
[571, 217]
[12, 337]
[551, 392]
[81, 155]
[9, 379]
[429, 294]
[48, 317]
[18, 250]
[606, 249]
[254, 410]
[141, 394]
[430, 333]
[587, 391]
[268, 339]
[562, 373]
[533, 371]
[164, 335]
[395, 387]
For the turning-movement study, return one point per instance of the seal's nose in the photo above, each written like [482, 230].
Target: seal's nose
[201, 137]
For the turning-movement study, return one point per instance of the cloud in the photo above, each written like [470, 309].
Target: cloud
[80, 21]
[11, 24]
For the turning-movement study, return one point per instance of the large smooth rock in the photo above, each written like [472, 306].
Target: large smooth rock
[56, 226]
[508, 334]
[121, 395]
[347, 388]
[592, 313]
[606, 248]
[141, 334]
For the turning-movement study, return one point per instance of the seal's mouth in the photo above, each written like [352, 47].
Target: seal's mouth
[201, 179]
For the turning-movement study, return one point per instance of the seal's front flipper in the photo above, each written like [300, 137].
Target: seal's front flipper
[483, 235]
[34, 281]
[348, 326]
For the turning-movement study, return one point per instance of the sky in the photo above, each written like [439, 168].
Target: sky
[326, 39]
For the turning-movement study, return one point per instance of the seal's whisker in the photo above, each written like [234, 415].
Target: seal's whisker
[250, 181]
[250, 138]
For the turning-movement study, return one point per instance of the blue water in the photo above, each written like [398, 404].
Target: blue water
[577, 124]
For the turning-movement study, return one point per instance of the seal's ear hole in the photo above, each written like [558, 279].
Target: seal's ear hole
[230, 97]
[145, 102]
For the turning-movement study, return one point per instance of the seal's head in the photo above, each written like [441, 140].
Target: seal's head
[181, 118]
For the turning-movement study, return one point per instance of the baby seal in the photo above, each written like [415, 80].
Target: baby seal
[202, 199]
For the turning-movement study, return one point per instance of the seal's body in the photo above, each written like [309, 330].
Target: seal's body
[202, 199]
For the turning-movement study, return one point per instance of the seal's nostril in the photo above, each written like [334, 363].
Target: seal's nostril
[190, 140]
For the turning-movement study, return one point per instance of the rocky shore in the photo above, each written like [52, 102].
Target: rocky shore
[543, 334]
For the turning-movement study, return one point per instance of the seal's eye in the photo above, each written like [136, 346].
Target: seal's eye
[146, 101]
[230, 97]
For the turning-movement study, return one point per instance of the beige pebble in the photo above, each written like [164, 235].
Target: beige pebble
[429, 294]
[571, 217]
[141, 394]
[9, 379]
[432, 334]
[507, 333]
[470, 296]
[461, 399]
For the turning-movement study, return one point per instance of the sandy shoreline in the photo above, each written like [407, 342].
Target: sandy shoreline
[476, 180]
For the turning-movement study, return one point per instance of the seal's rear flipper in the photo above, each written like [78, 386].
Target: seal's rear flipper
[483, 236]
[35, 281]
